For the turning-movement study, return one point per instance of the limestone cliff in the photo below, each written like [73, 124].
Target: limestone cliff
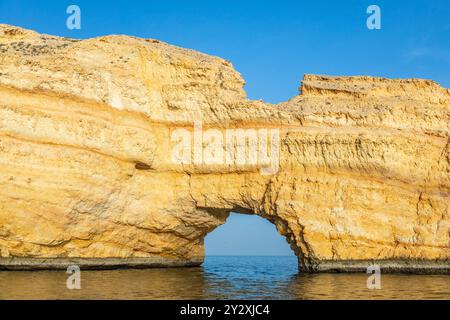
[125, 151]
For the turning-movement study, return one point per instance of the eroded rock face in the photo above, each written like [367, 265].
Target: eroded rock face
[116, 151]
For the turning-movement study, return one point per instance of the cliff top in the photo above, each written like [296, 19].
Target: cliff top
[168, 83]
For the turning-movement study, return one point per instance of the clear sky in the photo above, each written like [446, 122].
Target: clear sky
[272, 43]
[247, 235]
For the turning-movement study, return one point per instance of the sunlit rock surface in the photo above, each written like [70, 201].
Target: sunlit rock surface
[88, 173]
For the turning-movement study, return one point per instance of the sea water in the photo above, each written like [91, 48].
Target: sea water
[221, 277]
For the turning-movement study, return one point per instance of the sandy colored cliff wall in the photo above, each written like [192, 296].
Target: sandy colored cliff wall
[113, 151]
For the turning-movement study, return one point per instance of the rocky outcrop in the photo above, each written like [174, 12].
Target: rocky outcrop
[126, 151]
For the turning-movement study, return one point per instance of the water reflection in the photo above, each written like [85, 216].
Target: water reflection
[220, 278]
[178, 283]
[353, 286]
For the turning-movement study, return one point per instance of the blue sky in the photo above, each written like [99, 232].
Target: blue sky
[273, 44]
[247, 235]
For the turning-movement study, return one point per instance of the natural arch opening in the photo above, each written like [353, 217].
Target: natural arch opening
[246, 235]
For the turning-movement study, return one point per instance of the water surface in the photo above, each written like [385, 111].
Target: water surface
[221, 278]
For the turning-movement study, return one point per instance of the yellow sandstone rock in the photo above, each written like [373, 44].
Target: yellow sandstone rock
[125, 151]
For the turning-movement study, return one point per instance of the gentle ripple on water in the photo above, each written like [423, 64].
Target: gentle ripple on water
[221, 278]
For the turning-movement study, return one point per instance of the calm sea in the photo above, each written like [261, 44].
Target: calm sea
[221, 278]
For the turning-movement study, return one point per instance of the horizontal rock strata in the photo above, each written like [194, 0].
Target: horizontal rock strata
[115, 151]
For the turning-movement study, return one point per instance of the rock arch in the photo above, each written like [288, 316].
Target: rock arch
[362, 175]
